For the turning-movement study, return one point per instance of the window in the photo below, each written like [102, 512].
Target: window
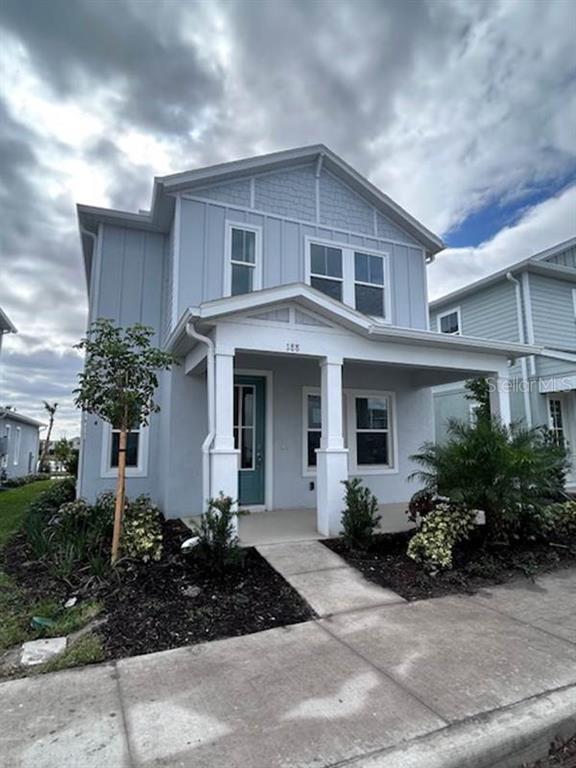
[556, 420]
[450, 322]
[473, 409]
[372, 439]
[244, 424]
[326, 270]
[369, 284]
[136, 451]
[5, 446]
[132, 445]
[17, 444]
[312, 428]
[243, 265]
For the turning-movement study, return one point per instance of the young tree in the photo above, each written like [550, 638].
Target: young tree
[63, 452]
[118, 385]
[51, 410]
[478, 391]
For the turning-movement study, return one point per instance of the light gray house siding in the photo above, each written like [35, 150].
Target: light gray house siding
[553, 312]
[19, 444]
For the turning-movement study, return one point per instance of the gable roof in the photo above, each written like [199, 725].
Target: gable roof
[158, 218]
[538, 263]
[347, 317]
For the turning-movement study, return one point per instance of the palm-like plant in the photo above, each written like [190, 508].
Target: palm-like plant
[50, 409]
[503, 471]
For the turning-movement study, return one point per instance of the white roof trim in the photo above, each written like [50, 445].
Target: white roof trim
[210, 312]
[6, 325]
[532, 263]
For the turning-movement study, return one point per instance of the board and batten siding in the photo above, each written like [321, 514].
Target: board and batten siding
[566, 258]
[130, 284]
[203, 233]
[553, 312]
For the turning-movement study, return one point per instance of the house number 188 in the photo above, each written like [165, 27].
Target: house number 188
[290, 347]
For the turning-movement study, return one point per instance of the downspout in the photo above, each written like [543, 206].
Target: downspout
[209, 439]
[522, 335]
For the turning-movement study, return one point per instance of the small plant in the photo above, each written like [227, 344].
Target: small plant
[42, 509]
[558, 520]
[218, 543]
[443, 528]
[360, 518]
[421, 504]
[142, 533]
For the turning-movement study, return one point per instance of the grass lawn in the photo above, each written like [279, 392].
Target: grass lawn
[16, 609]
[13, 504]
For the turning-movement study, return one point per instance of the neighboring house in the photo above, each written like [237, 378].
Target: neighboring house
[533, 301]
[6, 326]
[294, 293]
[19, 444]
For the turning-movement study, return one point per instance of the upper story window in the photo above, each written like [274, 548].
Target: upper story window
[243, 262]
[450, 322]
[369, 284]
[326, 270]
[357, 278]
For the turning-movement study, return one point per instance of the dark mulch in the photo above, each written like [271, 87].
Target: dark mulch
[476, 565]
[147, 609]
[560, 756]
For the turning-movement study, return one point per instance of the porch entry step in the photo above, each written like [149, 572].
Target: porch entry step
[324, 579]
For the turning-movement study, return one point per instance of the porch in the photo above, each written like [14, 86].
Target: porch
[340, 397]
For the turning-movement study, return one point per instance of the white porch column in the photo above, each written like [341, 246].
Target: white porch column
[223, 456]
[500, 398]
[332, 457]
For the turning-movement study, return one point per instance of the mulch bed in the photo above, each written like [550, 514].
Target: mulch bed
[476, 565]
[148, 610]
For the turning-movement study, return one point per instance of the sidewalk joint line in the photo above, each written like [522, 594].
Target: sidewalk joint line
[131, 757]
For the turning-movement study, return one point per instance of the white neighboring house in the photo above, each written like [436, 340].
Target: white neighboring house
[294, 293]
[19, 443]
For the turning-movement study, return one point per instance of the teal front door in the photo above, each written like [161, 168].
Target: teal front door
[249, 436]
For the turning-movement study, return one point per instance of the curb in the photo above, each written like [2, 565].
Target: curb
[505, 738]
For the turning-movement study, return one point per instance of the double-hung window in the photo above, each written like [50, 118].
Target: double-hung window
[556, 420]
[450, 322]
[372, 439]
[17, 445]
[369, 284]
[243, 265]
[326, 270]
[136, 451]
[312, 429]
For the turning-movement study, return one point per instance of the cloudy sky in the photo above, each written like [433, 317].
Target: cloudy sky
[464, 111]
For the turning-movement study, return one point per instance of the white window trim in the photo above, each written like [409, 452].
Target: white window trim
[349, 429]
[257, 229]
[447, 312]
[139, 471]
[17, 445]
[348, 272]
[375, 469]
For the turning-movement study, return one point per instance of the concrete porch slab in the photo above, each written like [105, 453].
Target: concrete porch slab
[460, 658]
[284, 697]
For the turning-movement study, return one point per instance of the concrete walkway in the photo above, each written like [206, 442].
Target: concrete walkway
[475, 682]
[324, 579]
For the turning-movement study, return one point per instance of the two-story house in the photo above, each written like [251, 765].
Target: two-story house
[294, 293]
[534, 300]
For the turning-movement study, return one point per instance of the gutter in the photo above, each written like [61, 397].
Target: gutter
[210, 394]
[520, 316]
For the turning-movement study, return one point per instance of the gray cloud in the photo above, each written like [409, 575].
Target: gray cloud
[445, 105]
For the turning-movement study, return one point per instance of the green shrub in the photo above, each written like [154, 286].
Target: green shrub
[558, 520]
[42, 509]
[443, 528]
[17, 482]
[360, 518]
[218, 544]
[497, 469]
[142, 530]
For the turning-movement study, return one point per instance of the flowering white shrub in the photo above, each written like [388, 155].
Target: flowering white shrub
[142, 532]
[441, 530]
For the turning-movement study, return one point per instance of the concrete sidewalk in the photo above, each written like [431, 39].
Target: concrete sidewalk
[447, 683]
